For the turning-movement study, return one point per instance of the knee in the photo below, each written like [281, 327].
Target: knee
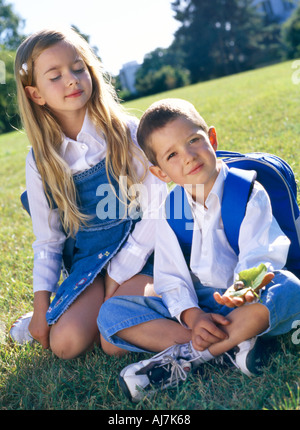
[106, 316]
[67, 342]
[104, 322]
[62, 343]
[111, 349]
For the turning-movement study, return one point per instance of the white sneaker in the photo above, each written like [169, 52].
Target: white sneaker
[162, 371]
[19, 331]
[247, 356]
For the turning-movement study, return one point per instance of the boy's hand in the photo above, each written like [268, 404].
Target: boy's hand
[235, 298]
[205, 327]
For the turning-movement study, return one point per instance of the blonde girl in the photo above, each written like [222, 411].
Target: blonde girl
[82, 141]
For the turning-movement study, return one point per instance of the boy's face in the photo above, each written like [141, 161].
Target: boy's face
[185, 155]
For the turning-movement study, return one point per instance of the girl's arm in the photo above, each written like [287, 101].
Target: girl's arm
[48, 232]
[38, 326]
[140, 244]
[47, 252]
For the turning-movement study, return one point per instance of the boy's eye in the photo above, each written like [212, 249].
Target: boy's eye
[171, 155]
[195, 139]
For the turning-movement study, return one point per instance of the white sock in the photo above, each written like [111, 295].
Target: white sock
[188, 351]
[204, 355]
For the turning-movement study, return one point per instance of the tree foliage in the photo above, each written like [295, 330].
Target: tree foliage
[215, 38]
[219, 37]
[10, 38]
[159, 72]
[291, 35]
[9, 117]
[10, 24]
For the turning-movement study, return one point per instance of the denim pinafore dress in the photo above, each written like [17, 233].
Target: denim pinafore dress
[96, 243]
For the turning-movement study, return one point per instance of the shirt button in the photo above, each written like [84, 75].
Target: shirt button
[83, 146]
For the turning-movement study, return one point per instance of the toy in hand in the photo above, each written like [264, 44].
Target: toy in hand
[250, 280]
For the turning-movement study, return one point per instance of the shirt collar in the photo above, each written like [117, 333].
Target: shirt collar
[88, 129]
[218, 186]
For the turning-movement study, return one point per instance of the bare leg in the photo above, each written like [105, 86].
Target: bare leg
[246, 322]
[157, 335]
[76, 330]
[139, 285]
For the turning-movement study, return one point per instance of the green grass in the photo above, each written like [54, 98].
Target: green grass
[253, 111]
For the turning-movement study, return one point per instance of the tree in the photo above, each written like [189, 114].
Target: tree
[164, 79]
[161, 71]
[9, 117]
[217, 37]
[10, 24]
[291, 34]
[10, 38]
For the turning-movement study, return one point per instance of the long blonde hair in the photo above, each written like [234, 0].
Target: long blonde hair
[45, 134]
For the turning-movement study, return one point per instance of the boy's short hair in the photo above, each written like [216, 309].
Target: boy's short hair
[158, 115]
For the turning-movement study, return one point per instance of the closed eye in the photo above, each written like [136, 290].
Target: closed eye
[55, 79]
[79, 70]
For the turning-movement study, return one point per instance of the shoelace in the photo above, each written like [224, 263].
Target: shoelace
[220, 359]
[187, 354]
[170, 364]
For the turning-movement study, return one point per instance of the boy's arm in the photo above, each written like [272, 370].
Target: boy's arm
[172, 279]
[261, 240]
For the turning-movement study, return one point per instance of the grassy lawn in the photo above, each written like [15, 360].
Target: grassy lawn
[253, 111]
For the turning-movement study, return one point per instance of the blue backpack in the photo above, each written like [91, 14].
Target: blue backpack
[277, 178]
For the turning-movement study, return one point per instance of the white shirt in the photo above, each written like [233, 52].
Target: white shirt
[213, 261]
[87, 150]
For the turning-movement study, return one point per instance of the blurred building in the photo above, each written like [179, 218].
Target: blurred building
[127, 76]
[279, 10]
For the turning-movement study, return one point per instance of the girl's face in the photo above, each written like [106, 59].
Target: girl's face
[63, 82]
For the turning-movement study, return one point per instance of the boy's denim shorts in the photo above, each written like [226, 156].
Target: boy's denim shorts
[281, 296]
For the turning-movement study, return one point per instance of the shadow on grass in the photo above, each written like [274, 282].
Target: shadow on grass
[34, 379]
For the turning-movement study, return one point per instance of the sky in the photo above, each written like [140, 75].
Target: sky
[122, 30]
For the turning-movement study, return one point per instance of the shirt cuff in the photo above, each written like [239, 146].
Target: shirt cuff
[126, 264]
[46, 271]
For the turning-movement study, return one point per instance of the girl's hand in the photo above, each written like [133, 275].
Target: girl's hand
[38, 326]
[111, 287]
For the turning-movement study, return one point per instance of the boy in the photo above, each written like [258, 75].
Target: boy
[196, 319]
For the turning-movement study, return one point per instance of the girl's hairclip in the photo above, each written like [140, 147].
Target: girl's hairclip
[24, 69]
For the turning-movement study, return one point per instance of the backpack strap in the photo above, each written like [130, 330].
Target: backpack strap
[237, 189]
[180, 218]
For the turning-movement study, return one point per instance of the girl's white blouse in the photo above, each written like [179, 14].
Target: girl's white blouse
[81, 154]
